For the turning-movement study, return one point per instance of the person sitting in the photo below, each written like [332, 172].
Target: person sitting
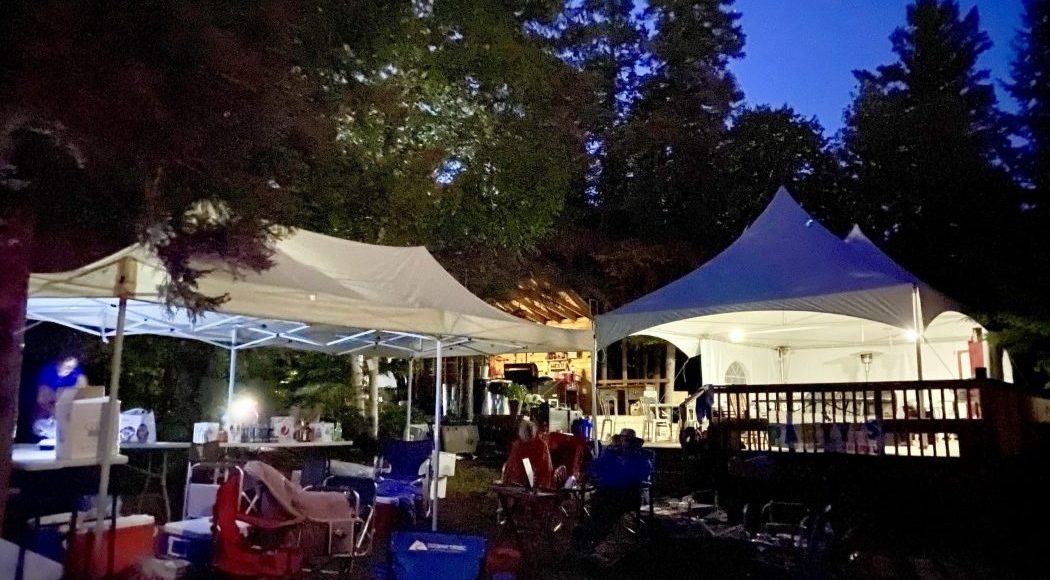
[618, 474]
[528, 446]
[532, 447]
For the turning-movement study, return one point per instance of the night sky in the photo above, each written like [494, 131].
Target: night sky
[803, 52]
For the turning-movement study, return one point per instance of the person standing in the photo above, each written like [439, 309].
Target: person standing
[62, 373]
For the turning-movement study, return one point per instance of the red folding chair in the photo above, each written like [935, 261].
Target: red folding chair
[271, 549]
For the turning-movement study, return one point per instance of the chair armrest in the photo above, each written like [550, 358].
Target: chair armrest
[268, 524]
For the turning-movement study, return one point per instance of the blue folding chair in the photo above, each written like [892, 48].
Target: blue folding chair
[401, 460]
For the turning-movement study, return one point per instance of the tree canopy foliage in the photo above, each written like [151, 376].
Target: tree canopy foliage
[602, 143]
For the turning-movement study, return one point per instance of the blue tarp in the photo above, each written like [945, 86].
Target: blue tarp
[786, 260]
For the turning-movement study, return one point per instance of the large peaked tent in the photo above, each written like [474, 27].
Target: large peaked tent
[790, 285]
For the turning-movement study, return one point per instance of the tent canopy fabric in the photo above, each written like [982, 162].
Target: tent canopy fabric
[785, 261]
[322, 293]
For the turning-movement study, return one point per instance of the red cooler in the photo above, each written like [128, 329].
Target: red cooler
[134, 543]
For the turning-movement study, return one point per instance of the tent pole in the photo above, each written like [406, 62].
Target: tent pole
[594, 387]
[435, 464]
[916, 307]
[232, 374]
[107, 433]
[408, 402]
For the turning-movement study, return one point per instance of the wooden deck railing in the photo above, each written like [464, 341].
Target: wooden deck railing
[926, 419]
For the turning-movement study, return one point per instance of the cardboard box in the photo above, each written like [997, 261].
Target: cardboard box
[138, 426]
[283, 428]
[323, 431]
[78, 414]
[205, 432]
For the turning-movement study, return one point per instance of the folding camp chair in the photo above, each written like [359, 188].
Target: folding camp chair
[401, 460]
[269, 551]
[361, 493]
[203, 480]
[326, 518]
[402, 471]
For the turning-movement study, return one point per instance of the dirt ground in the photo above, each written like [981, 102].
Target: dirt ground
[667, 551]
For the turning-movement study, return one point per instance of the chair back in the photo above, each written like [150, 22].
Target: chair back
[363, 487]
[315, 470]
[202, 484]
[567, 451]
[234, 555]
[209, 452]
[648, 407]
[405, 457]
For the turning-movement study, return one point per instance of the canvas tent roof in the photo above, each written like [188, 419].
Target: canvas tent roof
[322, 293]
[786, 261]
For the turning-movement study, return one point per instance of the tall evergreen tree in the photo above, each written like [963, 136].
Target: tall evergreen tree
[1027, 321]
[659, 179]
[766, 148]
[1030, 86]
[926, 147]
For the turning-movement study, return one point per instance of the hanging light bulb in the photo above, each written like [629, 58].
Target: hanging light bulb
[736, 335]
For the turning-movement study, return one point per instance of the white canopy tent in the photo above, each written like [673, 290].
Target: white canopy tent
[322, 293]
[789, 302]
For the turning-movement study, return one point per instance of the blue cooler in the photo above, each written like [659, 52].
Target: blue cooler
[188, 540]
[428, 555]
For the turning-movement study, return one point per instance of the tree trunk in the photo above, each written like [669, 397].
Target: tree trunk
[472, 363]
[669, 373]
[373, 394]
[461, 400]
[16, 236]
[995, 357]
[355, 383]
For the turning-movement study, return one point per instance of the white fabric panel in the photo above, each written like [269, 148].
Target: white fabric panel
[825, 348]
[760, 363]
[316, 280]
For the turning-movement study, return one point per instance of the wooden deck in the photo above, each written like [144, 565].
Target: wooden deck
[946, 419]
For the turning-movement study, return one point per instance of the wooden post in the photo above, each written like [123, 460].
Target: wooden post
[623, 362]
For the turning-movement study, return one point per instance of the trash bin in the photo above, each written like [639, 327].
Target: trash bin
[428, 555]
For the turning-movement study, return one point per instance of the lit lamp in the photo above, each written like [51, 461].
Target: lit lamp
[244, 410]
[865, 359]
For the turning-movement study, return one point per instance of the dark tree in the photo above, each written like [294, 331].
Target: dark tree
[659, 178]
[183, 125]
[1030, 87]
[1026, 327]
[766, 148]
[927, 149]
